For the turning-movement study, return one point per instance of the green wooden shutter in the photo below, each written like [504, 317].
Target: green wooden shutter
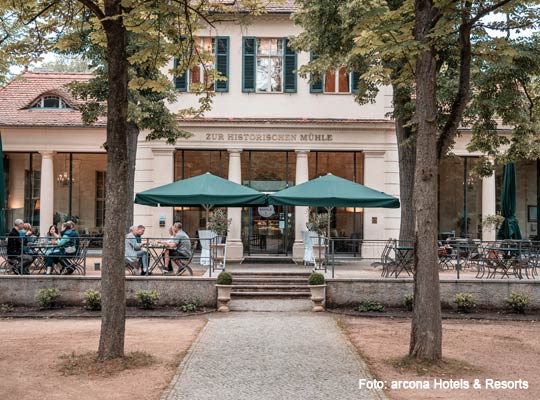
[249, 68]
[289, 70]
[355, 78]
[180, 82]
[222, 63]
[317, 86]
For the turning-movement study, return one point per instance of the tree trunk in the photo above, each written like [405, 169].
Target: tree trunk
[113, 314]
[426, 330]
[133, 135]
[407, 158]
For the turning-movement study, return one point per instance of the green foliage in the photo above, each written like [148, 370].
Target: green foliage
[408, 301]
[465, 302]
[47, 298]
[316, 278]
[518, 302]
[147, 299]
[218, 222]
[493, 222]
[318, 223]
[5, 308]
[370, 305]
[92, 300]
[224, 278]
[191, 305]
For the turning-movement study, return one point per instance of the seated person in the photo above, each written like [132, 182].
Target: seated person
[133, 250]
[15, 247]
[67, 246]
[52, 234]
[26, 232]
[180, 247]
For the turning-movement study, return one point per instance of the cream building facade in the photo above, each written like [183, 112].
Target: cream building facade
[268, 129]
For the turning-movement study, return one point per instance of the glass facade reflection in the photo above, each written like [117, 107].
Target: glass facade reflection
[79, 185]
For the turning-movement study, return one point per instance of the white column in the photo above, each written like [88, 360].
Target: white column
[488, 204]
[374, 177]
[163, 174]
[46, 197]
[235, 249]
[300, 212]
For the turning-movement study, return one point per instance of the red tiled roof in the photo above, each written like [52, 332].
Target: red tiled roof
[21, 92]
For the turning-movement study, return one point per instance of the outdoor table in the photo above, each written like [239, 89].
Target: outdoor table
[156, 254]
[39, 251]
[404, 256]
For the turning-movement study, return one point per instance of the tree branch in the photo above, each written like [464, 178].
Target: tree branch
[94, 8]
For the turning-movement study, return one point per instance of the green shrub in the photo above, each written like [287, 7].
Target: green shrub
[408, 302]
[370, 305]
[224, 278]
[518, 302]
[4, 308]
[465, 302]
[92, 300]
[47, 298]
[147, 298]
[316, 279]
[191, 305]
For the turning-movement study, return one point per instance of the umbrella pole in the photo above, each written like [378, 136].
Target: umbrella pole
[207, 208]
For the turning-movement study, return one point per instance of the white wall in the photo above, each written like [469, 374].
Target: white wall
[302, 104]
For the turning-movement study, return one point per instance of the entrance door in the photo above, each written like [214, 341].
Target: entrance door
[268, 230]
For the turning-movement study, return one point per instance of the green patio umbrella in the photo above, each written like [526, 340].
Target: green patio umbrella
[205, 190]
[510, 226]
[2, 193]
[331, 191]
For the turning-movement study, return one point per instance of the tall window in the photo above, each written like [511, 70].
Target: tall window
[203, 73]
[270, 65]
[337, 81]
[32, 187]
[100, 198]
[212, 56]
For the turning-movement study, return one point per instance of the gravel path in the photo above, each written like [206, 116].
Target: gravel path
[262, 356]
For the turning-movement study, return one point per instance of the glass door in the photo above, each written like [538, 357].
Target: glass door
[270, 230]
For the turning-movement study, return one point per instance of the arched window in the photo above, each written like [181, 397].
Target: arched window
[50, 102]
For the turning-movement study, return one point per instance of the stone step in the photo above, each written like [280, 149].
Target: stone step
[253, 274]
[269, 288]
[272, 294]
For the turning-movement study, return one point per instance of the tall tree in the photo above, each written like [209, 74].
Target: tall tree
[330, 31]
[30, 27]
[426, 51]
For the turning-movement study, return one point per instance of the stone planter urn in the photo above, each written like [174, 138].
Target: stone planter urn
[318, 297]
[223, 297]
[219, 253]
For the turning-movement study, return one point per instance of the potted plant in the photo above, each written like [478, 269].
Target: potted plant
[317, 288]
[219, 224]
[224, 286]
[319, 224]
[492, 222]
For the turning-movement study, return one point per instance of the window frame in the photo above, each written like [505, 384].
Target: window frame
[279, 55]
[336, 82]
[39, 104]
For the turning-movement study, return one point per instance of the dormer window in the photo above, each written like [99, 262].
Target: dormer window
[50, 102]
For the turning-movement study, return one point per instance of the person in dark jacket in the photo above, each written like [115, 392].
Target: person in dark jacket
[15, 245]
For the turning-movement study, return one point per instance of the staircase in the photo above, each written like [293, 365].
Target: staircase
[270, 285]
